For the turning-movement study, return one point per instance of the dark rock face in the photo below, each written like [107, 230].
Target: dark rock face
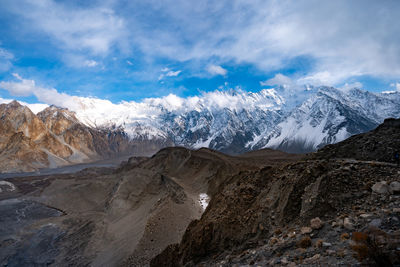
[256, 216]
[380, 144]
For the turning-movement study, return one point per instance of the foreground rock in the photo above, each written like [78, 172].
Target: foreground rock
[260, 217]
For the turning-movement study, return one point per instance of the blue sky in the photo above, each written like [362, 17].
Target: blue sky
[130, 50]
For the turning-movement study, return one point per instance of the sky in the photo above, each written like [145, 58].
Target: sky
[123, 50]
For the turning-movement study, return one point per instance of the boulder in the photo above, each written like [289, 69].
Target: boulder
[381, 188]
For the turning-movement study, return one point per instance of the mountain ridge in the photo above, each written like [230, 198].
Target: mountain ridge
[232, 122]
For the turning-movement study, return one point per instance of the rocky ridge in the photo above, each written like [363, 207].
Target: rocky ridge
[325, 210]
[55, 137]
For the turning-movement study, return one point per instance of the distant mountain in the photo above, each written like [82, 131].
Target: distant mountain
[55, 137]
[236, 121]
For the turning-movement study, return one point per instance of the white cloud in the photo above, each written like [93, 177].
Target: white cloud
[349, 86]
[91, 63]
[5, 60]
[342, 38]
[173, 73]
[78, 61]
[216, 70]
[169, 73]
[278, 79]
[95, 29]
[21, 88]
[24, 87]
[396, 86]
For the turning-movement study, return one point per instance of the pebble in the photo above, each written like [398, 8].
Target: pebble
[326, 244]
[376, 223]
[312, 259]
[348, 224]
[316, 223]
[394, 187]
[305, 230]
[365, 215]
[291, 234]
[330, 252]
[381, 188]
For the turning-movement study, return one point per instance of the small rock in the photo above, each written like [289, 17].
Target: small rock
[291, 234]
[326, 244]
[394, 187]
[376, 223]
[381, 188]
[273, 241]
[305, 230]
[330, 252]
[348, 224]
[312, 259]
[365, 215]
[318, 243]
[284, 261]
[316, 223]
[396, 210]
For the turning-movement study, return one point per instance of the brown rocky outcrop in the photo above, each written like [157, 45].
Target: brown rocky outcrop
[55, 137]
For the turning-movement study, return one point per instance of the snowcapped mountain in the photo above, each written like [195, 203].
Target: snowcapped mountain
[229, 121]
[238, 121]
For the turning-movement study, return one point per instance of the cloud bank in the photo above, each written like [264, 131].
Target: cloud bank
[319, 42]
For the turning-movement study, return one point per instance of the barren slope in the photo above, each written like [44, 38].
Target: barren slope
[109, 217]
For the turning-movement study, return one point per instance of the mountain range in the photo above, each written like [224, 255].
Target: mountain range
[228, 121]
[238, 121]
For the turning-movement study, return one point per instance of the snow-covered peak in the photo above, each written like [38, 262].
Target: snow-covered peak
[236, 121]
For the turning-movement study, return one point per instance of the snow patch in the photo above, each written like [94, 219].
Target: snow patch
[11, 187]
[204, 199]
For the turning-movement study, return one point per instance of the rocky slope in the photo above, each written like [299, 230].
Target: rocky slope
[124, 216]
[183, 208]
[378, 145]
[320, 211]
[55, 137]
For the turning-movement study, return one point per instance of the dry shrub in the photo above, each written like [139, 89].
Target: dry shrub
[359, 237]
[344, 236]
[278, 231]
[318, 244]
[361, 252]
[305, 242]
[368, 246]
